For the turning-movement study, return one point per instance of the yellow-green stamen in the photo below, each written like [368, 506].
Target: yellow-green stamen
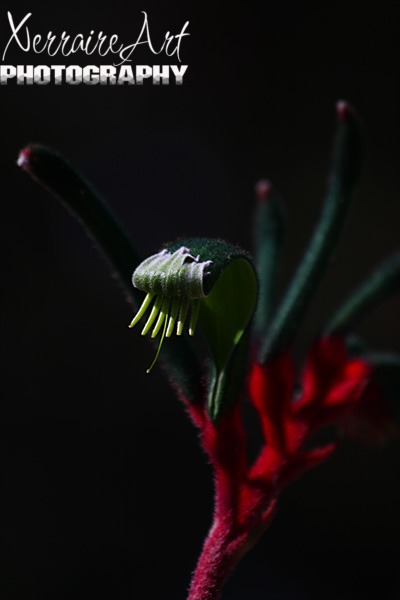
[194, 316]
[172, 282]
[159, 347]
[172, 318]
[182, 316]
[154, 312]
[145, 305]
[161, 317]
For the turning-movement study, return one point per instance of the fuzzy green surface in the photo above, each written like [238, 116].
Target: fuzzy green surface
[220, 252]
[171, 274]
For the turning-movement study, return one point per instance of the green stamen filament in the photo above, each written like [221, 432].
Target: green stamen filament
[172, 318]
[165, 312]
[142, 309]
[161, 317]
[182, 316]
[159, 346]
[154, 312]
[194, 316]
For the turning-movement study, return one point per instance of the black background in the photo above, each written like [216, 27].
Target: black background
[104, 490]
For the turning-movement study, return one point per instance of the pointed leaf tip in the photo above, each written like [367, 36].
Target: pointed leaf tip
[344, 110]
[268, 232]
[24, 158]
[263, 190]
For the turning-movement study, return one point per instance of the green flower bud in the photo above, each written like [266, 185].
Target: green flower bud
[172, 274]
[175, 280]
[216, 282]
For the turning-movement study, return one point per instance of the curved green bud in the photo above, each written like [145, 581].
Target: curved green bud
[178, 276]
[217, 282]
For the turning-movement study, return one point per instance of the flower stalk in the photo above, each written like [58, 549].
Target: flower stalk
[345, 170]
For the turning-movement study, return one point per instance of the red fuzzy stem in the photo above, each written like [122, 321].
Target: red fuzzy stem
[216, 562]
[223, 549]
[239, 513]
[333, 387]
[225, 444]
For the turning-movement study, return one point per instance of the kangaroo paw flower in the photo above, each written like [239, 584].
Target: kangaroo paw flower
[213, 286]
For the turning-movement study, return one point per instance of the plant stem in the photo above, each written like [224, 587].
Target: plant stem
[228, 540]
[242, 511]
[217, 560]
